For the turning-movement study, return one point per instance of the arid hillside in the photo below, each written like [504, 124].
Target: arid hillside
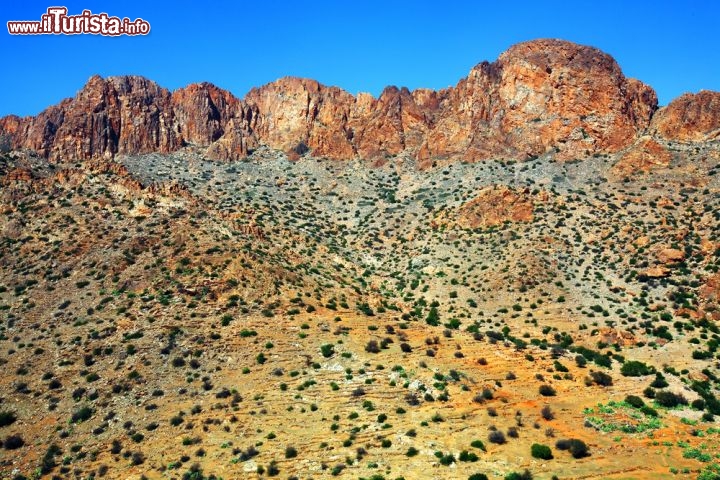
[514, 278]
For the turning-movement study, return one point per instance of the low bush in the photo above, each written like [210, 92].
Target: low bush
[669, 399]
[13, 442]
[497, 437]
[7, 418]
[547, 391]
[541, 451]
[577, 448]
[634, 368]
[634, 401]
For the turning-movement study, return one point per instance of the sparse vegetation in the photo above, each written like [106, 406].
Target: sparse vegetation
[160, 327]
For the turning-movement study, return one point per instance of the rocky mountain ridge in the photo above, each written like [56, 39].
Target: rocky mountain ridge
[539, 97]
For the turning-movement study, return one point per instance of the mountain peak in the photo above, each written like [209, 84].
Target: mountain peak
[543, 96]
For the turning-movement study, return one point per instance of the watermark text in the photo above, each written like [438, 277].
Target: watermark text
[56, 21]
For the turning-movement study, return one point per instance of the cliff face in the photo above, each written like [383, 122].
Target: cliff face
[335, 124]
[540, 96]
[551, 94]
[108, 116]
[207, 115]
[130, 115]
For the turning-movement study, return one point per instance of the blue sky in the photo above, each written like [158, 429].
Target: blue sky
[359, 46]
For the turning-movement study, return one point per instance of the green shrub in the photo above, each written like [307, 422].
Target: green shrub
[526, 475]
[13, 442]
[634, 368]
[649, 411]
[668, 399]
[559, 367]
[466, 456]
[327, 350]
[433, 317]
[7, 418]
[478, 476]
[547, 391]
[447, 460]
[81, 415]
[577, 448]
[478, 444]
[601, 378]
[541, 451]
[659, 381]
[634, 401]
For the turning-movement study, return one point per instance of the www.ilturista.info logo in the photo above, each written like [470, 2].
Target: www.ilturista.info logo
[56, 21]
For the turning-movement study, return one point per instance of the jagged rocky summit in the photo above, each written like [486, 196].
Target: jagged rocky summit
[539, 97]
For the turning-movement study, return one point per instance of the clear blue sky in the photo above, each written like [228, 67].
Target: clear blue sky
[357, 45]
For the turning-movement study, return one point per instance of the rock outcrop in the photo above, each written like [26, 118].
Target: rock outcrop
[493, 206]
[107, 117]
[543, 96]
[690, 118]
[668, 255]
[297, 114]
[131, 115]
[208, 115]
[646, 154]
[538, 97]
